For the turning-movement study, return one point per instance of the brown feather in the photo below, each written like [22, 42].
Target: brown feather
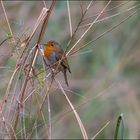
[65, 77]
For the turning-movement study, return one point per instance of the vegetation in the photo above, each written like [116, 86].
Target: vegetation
[101, 40]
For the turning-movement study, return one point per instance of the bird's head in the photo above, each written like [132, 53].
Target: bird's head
[51, 47]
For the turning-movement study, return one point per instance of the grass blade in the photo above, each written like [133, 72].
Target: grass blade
[120, 119]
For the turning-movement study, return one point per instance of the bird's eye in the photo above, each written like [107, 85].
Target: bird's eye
[52, 45]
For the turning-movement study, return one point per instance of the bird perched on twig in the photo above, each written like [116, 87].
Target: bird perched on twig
[55, 58]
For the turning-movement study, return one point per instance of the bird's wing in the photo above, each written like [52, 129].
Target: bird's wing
[64, 62]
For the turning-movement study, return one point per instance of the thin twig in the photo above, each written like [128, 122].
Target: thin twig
[23, 122]
[115, 7]
[28, 96]
[68, 7]
[117, 14]
[89, 27]
[42, 115]
[13, 41]
[47, 92]
[7, 91]
[5, 127]
[84, 133]
[4, 40]
[81, 104]
[19, 67]
[63, 56]
[44, 2]
[33, 59]
[49, 118]
[83, 14]
[7, 20]
[104, 33]
[100, 130]
[40, 18]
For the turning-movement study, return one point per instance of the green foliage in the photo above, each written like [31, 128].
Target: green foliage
[118, 129]
[41, 78]
[107, 78]
[9, 35]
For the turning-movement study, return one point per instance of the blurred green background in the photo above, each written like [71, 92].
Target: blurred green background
[105, 75]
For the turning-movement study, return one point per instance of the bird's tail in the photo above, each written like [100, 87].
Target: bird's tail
[65, 77]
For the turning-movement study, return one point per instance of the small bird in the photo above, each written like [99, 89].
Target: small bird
[53, 54]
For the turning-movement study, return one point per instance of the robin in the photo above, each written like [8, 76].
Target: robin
[56, 59]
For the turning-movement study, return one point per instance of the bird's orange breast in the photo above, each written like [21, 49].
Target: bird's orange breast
[48, 51]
